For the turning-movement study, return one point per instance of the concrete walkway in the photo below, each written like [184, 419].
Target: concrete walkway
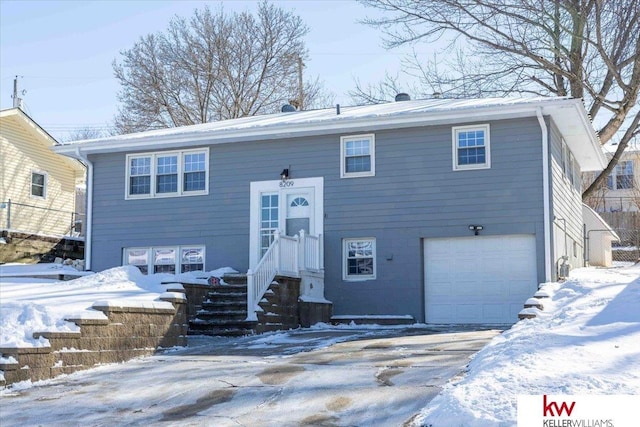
[324, 377]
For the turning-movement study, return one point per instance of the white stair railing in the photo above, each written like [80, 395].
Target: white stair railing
[286, 256]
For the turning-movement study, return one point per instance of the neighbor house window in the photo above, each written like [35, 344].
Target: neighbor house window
[166, 259]
[181, 173]
[357, 156]
[39, 184]
[622, 176]
[471, 147]
[359, 259]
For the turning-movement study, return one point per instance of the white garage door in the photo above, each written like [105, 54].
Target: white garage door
[478, 279]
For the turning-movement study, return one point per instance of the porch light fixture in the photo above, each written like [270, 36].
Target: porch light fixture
[476, 229]
[284, 175]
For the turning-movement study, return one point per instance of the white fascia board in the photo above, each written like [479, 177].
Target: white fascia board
[577, 129]
[322, 126]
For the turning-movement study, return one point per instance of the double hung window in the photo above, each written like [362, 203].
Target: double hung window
[180, 173]
[471, 149]
[359, 259]
[622, 176]
[357, 156]
[39, 184]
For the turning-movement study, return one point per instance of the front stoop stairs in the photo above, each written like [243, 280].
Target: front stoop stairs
[224, 310]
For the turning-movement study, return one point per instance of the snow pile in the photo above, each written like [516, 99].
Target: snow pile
[37, 305]
[586, 341]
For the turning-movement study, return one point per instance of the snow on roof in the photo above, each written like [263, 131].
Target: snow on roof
[569, 114]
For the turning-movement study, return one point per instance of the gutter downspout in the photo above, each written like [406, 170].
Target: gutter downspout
[89, 219]
[545, 195]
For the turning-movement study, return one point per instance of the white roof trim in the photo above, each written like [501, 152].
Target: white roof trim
[587, 210]
[362, 119]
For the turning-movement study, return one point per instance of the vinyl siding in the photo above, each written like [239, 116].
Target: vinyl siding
[23, 151]
[415, 194]
[566, 199]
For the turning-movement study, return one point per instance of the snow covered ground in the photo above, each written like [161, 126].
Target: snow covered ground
[37, 304]
[586, 341]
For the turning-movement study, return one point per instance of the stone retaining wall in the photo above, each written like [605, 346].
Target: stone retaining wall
[128, 332]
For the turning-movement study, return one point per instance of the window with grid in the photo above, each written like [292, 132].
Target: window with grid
[166, 174]
[622, 176]
[180, 173]
[471, 147]
[194, 172]
[357, 156]
[140, 175]
[359, 259]
[268, 220]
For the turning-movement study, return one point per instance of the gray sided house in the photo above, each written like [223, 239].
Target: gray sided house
[451, 211]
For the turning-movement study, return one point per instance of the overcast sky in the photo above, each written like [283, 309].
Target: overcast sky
[63, 51]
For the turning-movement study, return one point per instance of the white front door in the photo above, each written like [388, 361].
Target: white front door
[298, 211]
[287, 206]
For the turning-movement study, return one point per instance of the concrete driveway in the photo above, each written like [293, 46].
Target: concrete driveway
[317, 377]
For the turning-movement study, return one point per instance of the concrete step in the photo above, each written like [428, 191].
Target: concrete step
[226, 298]
[223, 332]
[225, 303]
[373, 319]
[228, 289]
[235, 279]
[209, 315]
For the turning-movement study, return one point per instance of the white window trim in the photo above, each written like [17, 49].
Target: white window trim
[360, 278]
[372, 148]
[178, 261]
[615, 173]
[487, 145]
[154, 155]
[44, 186]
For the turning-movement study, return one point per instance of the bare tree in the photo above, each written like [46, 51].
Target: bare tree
[585, 49]
[213, 66]
[88, 133]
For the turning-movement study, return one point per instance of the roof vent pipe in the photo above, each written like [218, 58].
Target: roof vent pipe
[403, 97]
[288, 108]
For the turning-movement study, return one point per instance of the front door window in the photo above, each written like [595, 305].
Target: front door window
[298, 214]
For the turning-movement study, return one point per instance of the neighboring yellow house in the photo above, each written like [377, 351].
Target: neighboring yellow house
[38, 188]
[622, 190]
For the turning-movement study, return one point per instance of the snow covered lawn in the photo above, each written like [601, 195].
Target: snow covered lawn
[36, 305]
[585, 342]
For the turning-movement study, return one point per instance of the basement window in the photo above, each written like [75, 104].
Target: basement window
[165, 259]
